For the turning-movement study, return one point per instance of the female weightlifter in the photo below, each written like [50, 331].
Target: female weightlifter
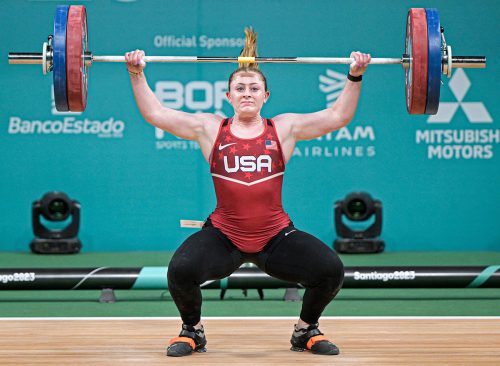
[247, 154]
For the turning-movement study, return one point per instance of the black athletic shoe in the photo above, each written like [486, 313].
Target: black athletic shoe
[312, 339]
[189, 340]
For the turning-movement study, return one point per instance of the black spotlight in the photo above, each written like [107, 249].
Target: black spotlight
[56, 209]
[358, 207]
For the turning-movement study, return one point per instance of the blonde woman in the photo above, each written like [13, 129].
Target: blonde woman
[247, 154]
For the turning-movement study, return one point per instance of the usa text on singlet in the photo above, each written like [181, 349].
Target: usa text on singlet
[248, 177]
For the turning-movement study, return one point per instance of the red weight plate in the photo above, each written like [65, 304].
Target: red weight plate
[417, 48]
[76, 45]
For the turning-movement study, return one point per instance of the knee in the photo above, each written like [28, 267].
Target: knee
[333, 275]
[181, 271]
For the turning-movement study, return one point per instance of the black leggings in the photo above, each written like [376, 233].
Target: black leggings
[295, 257]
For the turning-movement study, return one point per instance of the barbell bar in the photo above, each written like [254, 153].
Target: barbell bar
[36, 58]
[425, 59]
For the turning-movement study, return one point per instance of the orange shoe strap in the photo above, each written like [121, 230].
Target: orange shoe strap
[183, 339]
[315, 339]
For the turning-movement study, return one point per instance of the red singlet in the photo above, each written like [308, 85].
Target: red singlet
[248, 177]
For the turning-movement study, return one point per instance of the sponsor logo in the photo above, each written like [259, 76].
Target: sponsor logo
[475, 112]
[66, 126]
[289, 232]
[354, 141]
[195, 96]
[332, 85]
[472, 142]
[222, 147]
[66, 123]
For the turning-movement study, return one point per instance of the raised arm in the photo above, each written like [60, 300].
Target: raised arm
[293, 127]
[190, 126]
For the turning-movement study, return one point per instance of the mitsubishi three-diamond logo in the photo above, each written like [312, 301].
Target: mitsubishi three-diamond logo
[476, 112]
[476, 141]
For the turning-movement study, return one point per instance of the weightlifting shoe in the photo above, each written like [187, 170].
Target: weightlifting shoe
[189, 340]
[311, 339]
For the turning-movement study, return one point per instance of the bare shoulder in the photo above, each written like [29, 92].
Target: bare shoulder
[284, 123]
[210, 123]
[211, 120]
[285, 117]
[284, 127]
[285, 120]
[208, 118]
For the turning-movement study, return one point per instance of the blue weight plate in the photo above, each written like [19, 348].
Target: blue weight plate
[434, 57]
[59, 57]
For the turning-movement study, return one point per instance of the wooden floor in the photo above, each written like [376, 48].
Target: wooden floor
[426, 341]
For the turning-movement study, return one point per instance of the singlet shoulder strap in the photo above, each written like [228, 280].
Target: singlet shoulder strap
[223, 123]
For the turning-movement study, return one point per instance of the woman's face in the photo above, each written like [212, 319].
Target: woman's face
[247, 94]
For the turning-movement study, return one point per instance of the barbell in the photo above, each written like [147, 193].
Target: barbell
[427, 56]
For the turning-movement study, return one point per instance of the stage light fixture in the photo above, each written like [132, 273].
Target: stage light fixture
[56, 220]
[358, 208]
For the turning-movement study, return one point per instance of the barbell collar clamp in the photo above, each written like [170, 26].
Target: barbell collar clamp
[405, 61]
[47, 56]
[88, 58]
[449, 64]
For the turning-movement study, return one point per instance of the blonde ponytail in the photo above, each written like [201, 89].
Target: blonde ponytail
[250, 49]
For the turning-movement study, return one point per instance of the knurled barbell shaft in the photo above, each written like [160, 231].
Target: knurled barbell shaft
[36, 58]
[457, 61]
[277, 60]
